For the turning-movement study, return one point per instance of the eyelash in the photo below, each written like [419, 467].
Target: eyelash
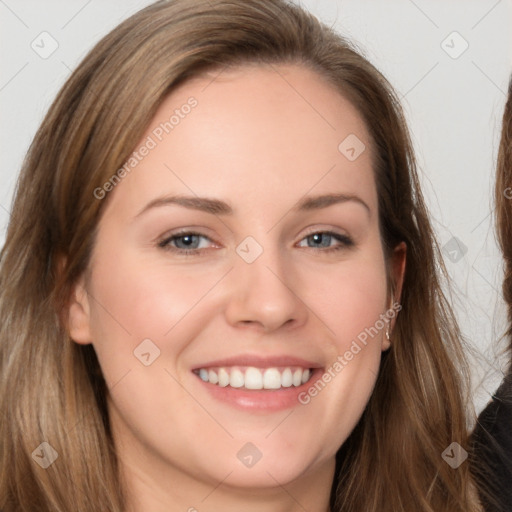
[345, 242]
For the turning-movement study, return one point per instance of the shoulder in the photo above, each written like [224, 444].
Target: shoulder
[492, 445]
[496, 418]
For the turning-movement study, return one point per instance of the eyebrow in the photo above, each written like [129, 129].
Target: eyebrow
[218, 207]
[323, 201]
[204, 204]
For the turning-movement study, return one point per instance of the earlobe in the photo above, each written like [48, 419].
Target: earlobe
[386, 341]
[79, 314]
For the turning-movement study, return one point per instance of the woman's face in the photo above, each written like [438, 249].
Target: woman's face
[237, 262]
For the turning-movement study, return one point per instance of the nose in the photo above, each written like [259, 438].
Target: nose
[265, 294]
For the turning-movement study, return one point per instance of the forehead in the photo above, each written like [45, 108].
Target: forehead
[256, 135]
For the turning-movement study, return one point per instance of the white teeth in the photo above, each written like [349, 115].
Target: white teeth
[212, 377]
[237, 379]
[256, 378]
[253, 379]
[271, 378]
[286, 378]
[223, 378]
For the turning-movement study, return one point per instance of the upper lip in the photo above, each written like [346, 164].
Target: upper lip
[259, 362]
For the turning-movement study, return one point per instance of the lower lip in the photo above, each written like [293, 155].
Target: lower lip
[267, 400]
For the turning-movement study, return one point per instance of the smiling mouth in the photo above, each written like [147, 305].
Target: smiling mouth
[252, 378]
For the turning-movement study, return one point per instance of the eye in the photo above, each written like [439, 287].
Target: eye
[189, 242]
[185, 242]
[326, 241]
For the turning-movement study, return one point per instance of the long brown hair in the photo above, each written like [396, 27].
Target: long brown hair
[52, 389]
[492, 438]
[503, 198]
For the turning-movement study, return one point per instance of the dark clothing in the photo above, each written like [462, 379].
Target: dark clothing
[492, 451]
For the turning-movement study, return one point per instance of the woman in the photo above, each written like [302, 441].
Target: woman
[492, 438]
[204, 297]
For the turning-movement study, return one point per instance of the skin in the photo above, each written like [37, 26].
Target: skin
[255, 143]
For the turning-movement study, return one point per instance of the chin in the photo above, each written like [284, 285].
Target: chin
[265, 466]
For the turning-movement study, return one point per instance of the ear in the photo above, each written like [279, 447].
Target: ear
[397, 271]
[79, 314]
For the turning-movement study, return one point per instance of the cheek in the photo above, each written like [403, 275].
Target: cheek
[144, 299]
[351, 303]
[349, 299]
[133, 300]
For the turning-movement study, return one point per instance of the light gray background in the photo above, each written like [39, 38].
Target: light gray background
[454, 107]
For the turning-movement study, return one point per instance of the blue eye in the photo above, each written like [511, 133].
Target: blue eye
[191, 243]
[324, 240]
[185, 243]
